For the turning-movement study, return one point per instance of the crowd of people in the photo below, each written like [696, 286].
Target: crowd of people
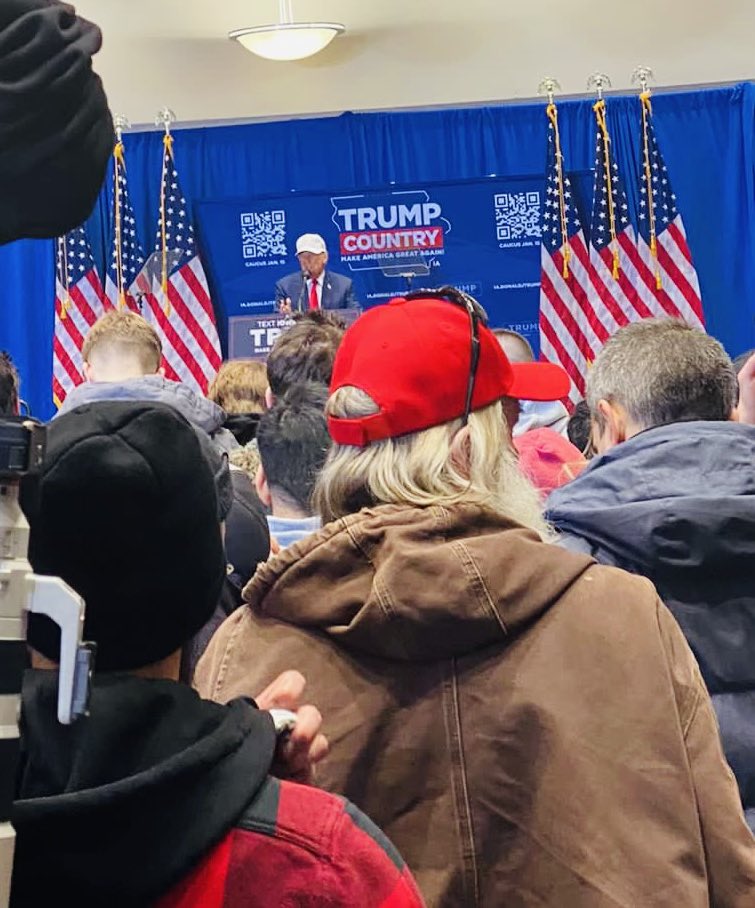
[526, 632]
[530, 658]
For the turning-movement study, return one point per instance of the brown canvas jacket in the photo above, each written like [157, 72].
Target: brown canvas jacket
[527, 727]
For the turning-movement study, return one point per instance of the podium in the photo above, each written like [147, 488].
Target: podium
[253, 336]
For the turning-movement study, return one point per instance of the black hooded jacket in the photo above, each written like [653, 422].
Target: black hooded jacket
[129, 800]
[162, 799]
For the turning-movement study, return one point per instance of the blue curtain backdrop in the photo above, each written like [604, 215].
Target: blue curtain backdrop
[707, 138]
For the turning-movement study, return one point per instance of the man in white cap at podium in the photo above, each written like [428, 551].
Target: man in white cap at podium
[313, 287]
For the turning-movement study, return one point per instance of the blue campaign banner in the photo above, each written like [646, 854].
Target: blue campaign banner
[481, 235]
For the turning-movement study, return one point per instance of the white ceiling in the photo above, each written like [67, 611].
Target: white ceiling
[404, 53]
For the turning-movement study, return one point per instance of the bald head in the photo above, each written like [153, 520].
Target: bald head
[516, 347]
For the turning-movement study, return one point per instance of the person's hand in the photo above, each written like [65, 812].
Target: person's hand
[298, 753]
[746, 379]
[284, 307]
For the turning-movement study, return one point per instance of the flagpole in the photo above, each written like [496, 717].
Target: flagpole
[643, 75]
[548, 87]
[119, 163]
[165, 118]
[65, 304]
[600, 81]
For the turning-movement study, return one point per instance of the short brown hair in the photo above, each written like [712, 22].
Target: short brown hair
[239, 386]
[124, 332]
[306, 352]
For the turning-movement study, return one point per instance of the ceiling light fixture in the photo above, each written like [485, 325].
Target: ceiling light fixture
[288, 40]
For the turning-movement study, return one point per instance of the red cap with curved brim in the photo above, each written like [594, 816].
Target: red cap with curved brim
[412, 357]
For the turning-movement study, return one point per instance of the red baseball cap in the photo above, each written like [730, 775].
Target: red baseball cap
[412, 357]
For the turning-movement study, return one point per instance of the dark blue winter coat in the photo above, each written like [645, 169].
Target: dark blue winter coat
[677, 505]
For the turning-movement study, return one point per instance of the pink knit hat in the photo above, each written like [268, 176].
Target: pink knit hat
[548, 460]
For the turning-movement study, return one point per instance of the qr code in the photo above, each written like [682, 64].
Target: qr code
[263, 234]
[517, 215]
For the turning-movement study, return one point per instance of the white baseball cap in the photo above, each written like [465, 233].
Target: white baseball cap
[311, 242]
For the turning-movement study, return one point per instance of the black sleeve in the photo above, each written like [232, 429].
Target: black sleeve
[56, 132]
[247, 542]
[247, 538]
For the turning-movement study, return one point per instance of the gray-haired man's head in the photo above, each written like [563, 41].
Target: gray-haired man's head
[655, 372]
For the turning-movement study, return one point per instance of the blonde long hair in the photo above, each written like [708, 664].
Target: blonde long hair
[420, 469]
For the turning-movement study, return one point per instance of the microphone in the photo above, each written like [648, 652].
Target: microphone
[304, 279]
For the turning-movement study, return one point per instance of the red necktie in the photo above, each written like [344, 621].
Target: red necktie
[313, 301]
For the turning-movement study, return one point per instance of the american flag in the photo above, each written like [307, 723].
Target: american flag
[179, 304]
[667, 273]
[127, 258]
[79, 302]
[617, 293]
[586, 296]
[570, 330]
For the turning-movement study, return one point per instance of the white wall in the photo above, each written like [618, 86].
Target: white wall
[404, 53]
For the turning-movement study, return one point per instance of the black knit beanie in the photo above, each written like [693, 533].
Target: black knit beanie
[56, 132]
[125, 511]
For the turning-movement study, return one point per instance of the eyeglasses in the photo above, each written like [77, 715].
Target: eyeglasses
[477, 316]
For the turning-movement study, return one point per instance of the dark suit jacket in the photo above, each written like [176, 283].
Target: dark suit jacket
[337, 291]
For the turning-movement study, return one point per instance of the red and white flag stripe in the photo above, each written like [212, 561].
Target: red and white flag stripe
[679, 296]
[186, 324]
[568, 329]
[75, 313]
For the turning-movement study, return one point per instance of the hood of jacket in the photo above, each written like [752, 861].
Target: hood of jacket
[117, 808]
[675, 498]
[547, 414]
[409, 583]
[203, 413]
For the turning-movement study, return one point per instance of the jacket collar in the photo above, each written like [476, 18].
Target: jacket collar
[412, 583]
[674, 497]
[200, 411]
